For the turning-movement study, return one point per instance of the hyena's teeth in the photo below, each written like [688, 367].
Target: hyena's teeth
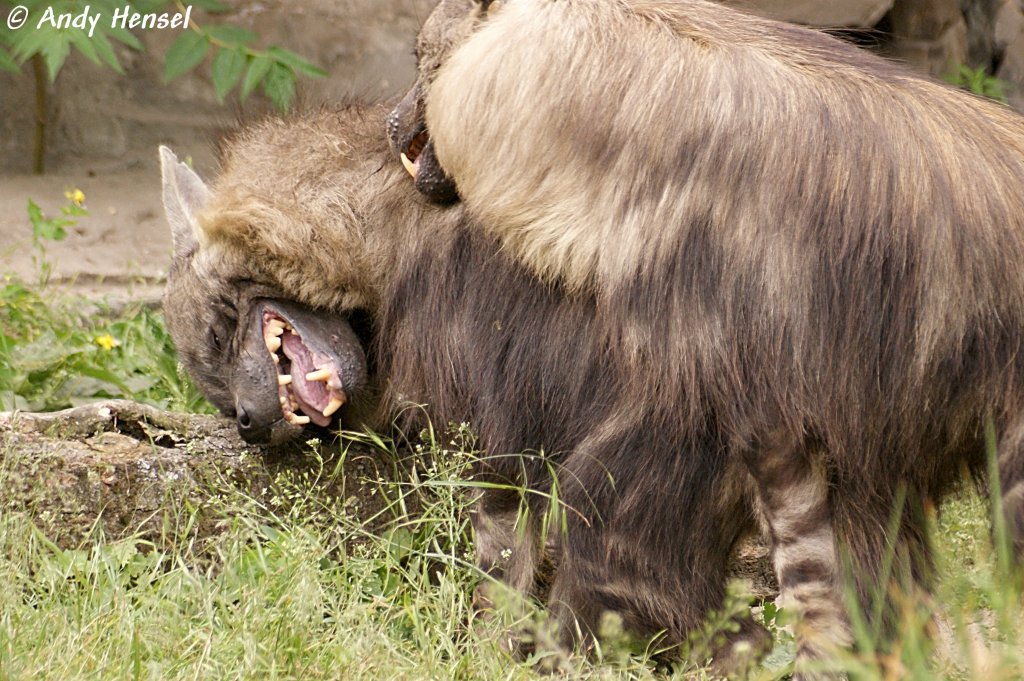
[410, 167]
[319, 375]
[277, 360]
[284, 401]
[273, 343]
[275, 329]
[297, 420]
[333, 406]
[284, 379]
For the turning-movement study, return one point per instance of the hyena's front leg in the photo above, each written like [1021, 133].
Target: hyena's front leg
[512, 553]
[792, 490]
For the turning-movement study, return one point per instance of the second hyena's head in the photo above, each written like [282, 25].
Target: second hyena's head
[447, 27]
[272, 363]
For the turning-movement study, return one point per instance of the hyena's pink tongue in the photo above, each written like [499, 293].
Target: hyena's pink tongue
[315, 383]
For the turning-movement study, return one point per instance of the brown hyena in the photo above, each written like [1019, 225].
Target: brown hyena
[315, 210]
[248, 350]
[812, 248]
[836, 383]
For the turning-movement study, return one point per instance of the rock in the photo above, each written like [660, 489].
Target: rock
[930, 35]
[827, 13]
[122, 467]
[1011, 70]
[981, 17]
[1008, 24]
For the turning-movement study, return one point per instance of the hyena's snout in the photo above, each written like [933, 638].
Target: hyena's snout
[297, 368]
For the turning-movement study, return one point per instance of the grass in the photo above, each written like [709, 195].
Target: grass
[295, 590]
[57, 352]
[303, 588]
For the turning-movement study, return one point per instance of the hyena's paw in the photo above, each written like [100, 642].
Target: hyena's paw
[500, 611]
[734, 654]
[497, 607]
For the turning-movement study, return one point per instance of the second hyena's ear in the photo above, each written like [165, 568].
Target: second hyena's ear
[185, 194]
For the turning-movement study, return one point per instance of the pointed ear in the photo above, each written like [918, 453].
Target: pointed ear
[184, 196]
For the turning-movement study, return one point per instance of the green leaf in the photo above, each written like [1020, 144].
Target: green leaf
[228, 66]
[232, 35]
[279, 86]
[258, 68]
[7, 62]
[54, 53]
[296, 62]
[106, 52]
[125, 36]
[51, 229]
[185, 54]
[80, 39]
[28, 43]
[35, 213]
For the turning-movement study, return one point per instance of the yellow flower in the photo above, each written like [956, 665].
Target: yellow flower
[75, 196]
[107, 342]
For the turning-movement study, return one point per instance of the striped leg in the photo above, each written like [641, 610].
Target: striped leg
[793, 494]
[1011, 481]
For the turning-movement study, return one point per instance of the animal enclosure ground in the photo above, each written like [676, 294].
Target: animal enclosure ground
[286, 579]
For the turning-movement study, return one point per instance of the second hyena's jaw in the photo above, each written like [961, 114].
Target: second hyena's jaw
[410, 141]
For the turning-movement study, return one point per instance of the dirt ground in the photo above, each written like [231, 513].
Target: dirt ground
[120, 250]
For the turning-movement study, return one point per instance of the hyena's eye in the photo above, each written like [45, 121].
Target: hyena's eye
[215, 340]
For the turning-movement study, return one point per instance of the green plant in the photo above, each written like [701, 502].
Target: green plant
[57, 353]
[978, 81]
[50, 31]
[46, 229]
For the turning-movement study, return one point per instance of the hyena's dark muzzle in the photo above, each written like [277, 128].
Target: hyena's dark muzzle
[296, 367]
[410, 140]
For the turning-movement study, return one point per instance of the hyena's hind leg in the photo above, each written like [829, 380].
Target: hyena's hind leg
[793, 492]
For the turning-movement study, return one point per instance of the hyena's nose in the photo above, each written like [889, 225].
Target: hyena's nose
[244, 422]
[250, 431]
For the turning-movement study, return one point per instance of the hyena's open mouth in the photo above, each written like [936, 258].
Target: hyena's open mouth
[308, 379]
[412, 153]
[410, 140]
